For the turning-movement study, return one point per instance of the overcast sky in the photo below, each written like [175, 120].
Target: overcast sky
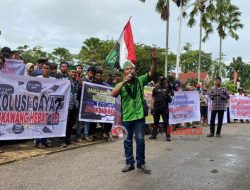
[67, 23]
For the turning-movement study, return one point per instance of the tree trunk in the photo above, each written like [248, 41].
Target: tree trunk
[220, 58]
[167, 37]
[179, 43]
[199, 66]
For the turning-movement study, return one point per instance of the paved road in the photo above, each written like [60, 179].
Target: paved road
[185, 163]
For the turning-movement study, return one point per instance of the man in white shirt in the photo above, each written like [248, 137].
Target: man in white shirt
[43, 142]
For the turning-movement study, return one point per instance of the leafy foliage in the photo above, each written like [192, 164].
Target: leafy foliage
[94, 51]
[242, 68]
[190, 60]
[230, 87]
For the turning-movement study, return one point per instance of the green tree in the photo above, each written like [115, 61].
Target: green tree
[143, 59]
[230, 86]
[190, 61]
[187, 46]
[244, 78]
[236, 65]
[241, 68]
[162, 7]
[214, 70]
[32, 54]
[227, 17]
[192, 81]
[59, 54]
[203, 8]
[94, 51]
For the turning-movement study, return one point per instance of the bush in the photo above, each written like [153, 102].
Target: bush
[230, 87]
[246, 86]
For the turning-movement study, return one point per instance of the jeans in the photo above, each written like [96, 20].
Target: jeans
[138, 126]
[86, 129]
[79, 130]
[220, 121]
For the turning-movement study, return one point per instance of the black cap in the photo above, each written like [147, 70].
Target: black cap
[6, 51]
[42, 60]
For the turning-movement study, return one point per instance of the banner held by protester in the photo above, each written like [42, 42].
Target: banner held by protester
[239, 107]
[32, 107]
[14, 66]
[97, 104]
[185, 107]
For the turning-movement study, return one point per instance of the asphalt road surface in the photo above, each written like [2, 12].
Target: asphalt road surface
[188, 162]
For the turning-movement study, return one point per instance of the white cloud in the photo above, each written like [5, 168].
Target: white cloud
[53, 23]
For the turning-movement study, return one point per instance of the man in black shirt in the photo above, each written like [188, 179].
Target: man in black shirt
[160, 99]
[63, 71]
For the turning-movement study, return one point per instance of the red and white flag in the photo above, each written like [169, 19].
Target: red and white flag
[127, 47]
[124, 49]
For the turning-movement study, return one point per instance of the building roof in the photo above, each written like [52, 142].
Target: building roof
[183, 77]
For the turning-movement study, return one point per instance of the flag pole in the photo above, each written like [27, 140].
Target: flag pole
[116, 41]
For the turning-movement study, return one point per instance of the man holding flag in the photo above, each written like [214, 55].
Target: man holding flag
[131, 92]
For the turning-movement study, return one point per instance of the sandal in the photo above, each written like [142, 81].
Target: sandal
[210, 135]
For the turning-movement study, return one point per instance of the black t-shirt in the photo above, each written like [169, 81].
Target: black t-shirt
[162, 98]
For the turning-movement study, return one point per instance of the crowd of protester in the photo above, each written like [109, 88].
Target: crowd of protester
[76, 75]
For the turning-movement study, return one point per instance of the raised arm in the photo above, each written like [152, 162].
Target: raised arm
[154, 63]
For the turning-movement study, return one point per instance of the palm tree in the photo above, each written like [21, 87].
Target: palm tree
[162, 7]
[214, 70]
[202, 7]
[226, 16]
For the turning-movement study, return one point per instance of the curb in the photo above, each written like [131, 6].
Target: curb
[56, 151]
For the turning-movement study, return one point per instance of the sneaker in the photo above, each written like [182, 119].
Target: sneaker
[210, 135]
[168, 139]
[78, 140]
[63, 145]
[152, 137]
[91, 137]
[88, 139]
[40, 145]
[1, 151]
[128, 168]
[144, 169]
[105, 135]
[47, 144]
